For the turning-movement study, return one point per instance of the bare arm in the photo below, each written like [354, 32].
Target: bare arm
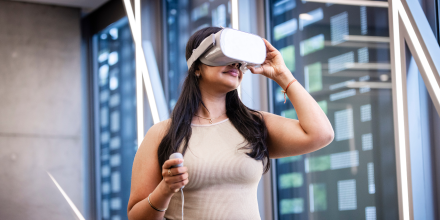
[147, 178]
[289, 137]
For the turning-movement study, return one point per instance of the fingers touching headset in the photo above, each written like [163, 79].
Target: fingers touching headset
[273, 66]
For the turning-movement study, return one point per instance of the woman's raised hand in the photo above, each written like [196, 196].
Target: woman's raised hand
[178, 177]
[273, 66]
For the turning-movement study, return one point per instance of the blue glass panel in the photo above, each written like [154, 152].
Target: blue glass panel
[116, 113]
[340, 54]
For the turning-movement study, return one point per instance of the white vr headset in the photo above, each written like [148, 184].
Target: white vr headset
[230, 46]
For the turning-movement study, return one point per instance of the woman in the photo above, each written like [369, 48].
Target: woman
[224, 143]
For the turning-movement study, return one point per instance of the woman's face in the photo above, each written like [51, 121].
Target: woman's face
[219, 78]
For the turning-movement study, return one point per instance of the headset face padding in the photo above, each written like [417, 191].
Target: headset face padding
[230, 46]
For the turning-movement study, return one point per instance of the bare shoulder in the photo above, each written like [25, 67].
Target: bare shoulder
[276, 122]
[264, 113]
[160, 128]
[270, 116]
[261, 113]
[147, 152]
[155, 135]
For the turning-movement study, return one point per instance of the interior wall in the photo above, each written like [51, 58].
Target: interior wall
[40, 113]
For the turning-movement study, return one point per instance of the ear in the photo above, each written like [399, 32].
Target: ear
[198, 69]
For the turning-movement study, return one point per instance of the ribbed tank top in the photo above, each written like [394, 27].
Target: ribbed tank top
[223, 180]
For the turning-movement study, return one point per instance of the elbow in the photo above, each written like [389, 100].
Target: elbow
[328, 137]
[325, 138]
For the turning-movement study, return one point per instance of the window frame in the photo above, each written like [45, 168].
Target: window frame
[91, 24]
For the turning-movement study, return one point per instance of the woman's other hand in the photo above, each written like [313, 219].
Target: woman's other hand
[178, 177]
[273, 67]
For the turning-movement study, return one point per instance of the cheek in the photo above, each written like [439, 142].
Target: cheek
[213, 74]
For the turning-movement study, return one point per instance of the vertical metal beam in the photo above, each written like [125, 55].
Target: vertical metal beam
[142, 64]
[407, 24]
[400, 112]
[139, 85]
[421, 53]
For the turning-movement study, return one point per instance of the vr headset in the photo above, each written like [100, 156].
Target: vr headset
[230, 46]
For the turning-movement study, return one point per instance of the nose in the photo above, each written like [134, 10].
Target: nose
[236, 65]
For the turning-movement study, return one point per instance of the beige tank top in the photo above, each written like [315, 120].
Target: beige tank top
[222, 179]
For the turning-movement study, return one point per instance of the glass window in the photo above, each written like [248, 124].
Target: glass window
[116, 115]
[340, 54]
[183, 19]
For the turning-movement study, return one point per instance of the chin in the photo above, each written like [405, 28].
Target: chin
[230, 83]
[230, 86]
[233, 85]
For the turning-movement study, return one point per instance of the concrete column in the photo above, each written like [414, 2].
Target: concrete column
[40, 111]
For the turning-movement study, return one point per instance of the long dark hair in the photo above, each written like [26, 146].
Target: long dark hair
[248, 122]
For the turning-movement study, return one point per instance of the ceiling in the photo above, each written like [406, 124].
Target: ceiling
[85, 5]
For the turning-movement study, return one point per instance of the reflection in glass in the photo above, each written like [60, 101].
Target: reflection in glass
[183, 19]
[327, 47]
[116, 87]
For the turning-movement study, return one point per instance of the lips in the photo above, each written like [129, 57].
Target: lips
[232, 72]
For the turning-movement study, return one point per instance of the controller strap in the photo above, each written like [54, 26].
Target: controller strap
[183, 201]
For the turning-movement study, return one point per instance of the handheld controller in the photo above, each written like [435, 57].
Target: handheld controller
[175, 156]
